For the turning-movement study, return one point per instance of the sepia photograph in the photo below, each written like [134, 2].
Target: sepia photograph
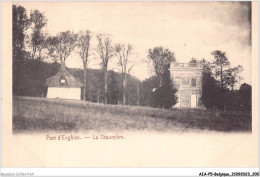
[122, 68]
[130, 84]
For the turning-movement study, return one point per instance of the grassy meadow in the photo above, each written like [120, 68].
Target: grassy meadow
[33, 114]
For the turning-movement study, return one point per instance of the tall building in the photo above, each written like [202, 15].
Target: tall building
[187, 77]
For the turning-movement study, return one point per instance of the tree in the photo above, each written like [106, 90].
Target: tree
[232, 77]
[245, 92]
[165, 95]
[84, 48]
[215, 94]
[220, 64]
[113, 89]
[61, 46]
[227, 76]
[20, 23]
[160, 57]
[211, 92]
[125, 63]
[106, 52]
[146, 88]
[36, 43]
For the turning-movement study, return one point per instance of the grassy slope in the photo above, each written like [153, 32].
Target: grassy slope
[31, 114]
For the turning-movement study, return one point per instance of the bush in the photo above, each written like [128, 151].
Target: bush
[164, 96]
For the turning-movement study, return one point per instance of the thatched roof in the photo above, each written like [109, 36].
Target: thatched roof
[70, 80]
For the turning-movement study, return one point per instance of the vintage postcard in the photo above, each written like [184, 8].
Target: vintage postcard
[129, 84]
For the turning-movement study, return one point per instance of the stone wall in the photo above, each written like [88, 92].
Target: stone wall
[188, 80]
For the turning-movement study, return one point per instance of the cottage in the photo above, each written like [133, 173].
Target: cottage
[187, 77]
[64, 85]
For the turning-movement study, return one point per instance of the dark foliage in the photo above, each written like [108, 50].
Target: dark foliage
[245, 93]
[164, 96]
[160, 57]
[20, 24]
[215, 96]
[113, 90]
[37, 41]
[211, 93]
[227, 76]
[146, 88]
[33, 76]
[95, 86]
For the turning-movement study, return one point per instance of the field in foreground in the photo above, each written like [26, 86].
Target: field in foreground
[31, 114]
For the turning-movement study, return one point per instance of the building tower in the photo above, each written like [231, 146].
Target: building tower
[187, 77]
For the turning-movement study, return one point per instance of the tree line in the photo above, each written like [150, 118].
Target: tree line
[219, 85]
[38, 45]
[33, 47]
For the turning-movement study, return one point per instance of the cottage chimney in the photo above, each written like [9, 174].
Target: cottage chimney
[62, 67]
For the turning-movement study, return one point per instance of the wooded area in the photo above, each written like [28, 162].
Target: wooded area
[38, 56]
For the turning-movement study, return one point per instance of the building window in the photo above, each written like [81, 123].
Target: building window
[178, 104]
[62, 80]
[177, 81]
[199, 81]
[185, 81]
[193, 82]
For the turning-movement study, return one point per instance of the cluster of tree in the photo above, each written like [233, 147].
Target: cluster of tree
[165, 95]
[159, 91]
[95, 89]
[33, 85]
[21, 41]
[30, 52]
[32, 46]
[219, 82]
[39, 45]
[33, 77]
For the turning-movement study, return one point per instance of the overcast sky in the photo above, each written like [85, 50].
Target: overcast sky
[189, 29]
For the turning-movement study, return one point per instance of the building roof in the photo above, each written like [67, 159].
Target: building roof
[63, 74]
[185, 66]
